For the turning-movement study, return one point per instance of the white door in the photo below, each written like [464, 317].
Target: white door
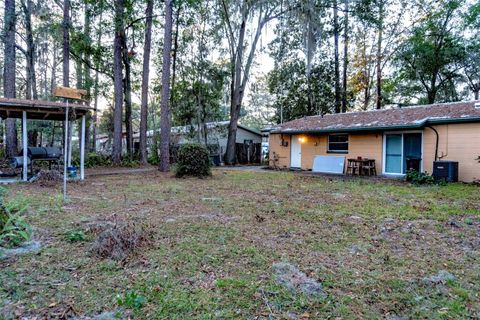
[295, 152]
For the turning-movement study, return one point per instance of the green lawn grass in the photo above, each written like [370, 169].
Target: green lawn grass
[369, 242]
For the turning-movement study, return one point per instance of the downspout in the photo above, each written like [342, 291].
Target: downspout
[436, 143]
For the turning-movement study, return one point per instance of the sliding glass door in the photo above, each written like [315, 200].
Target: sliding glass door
[393, 153]
[400, 148]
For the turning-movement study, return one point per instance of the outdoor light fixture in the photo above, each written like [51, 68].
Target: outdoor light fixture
[302, 139]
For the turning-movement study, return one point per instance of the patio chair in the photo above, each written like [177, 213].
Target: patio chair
[353, 167]
[369, 168]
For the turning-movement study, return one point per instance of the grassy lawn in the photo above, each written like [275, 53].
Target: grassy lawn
[369, 242]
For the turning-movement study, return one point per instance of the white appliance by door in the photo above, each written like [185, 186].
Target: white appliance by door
[295, 152]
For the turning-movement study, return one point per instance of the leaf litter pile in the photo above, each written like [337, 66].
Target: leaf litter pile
[160, 247]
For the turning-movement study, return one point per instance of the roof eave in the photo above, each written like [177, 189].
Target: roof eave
[420, 125]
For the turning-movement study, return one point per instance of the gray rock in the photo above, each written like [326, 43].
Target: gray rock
[395, 317]
[28, 247]
[106, 315]
[296, 281]
[441, 277]
[212, 199]
[358, 249]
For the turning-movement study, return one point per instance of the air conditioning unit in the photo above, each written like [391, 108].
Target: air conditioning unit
[445, 171]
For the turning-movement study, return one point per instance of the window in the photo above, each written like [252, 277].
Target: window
[338, 143]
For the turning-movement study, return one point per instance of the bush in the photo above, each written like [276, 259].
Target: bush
[93, 159]
[13, 229]
[131, 300]
[193, 160]
[130, 163]
[75, 235]
[419, 178]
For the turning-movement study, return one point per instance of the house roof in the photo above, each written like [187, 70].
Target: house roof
[210, 125]
[386, 119]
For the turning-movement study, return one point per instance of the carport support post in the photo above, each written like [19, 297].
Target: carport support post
[65, 155]
[25, 145]
[70, 136]
[82, 150]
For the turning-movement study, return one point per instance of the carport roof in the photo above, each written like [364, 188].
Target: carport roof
[385, 119]
[39, 109]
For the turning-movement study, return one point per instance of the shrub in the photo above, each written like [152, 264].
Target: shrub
[75, 235]
[193, 160]
[131, 300]
[130, 163]
[419, 178]
[153, 158]
[14, 230]
[93, 159]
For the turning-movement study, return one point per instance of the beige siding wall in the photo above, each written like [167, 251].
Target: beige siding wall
[274, 142]
[458, 142]
[360, 145]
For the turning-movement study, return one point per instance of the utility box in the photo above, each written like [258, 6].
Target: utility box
[445, 171]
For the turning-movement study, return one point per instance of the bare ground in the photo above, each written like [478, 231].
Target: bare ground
[368, 242]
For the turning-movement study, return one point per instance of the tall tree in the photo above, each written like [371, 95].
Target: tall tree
[165, 121]
[145, 81]
[66, 43]
[127, 89]
[336, 35]
[471, 66]
[379, 98]
[118, 81]
[9, 73]
[345, 57]
[431, 57]
[96, 83]
[31, 89]
[236, 21]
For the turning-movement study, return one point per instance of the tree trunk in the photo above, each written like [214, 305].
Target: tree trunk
[95, 91]
[476, 93]
[145, 81]
[87, 72]
[174, 57]
[30, 53]
[241, 74]
[236, 98]
[118, 82]
[345, 59]
[66, 58]
[9, 74]
[379, 100]
[53, 74]
[336, 59]
[165, 125]
[66, 43]
[127, 87]
[431, 96]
